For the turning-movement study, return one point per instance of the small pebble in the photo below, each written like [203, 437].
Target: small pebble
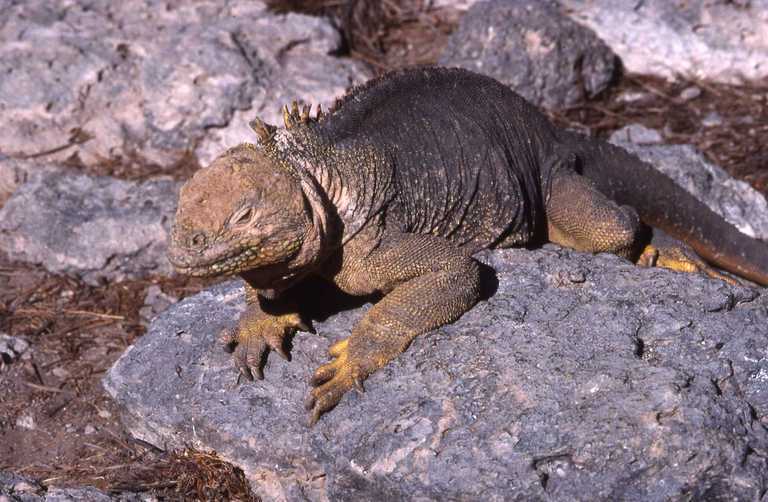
[690, 93]
[712, 119]
[26, 422]
[12, 347]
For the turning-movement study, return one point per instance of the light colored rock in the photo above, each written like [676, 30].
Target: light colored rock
[144, 81]
[12, 348]
[93, 227]
[711, 40]
[637, 134]
[155, 302]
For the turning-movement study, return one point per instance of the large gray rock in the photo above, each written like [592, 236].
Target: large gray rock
[734, 200]
[148, 80]
[91, 226]
[725, 41]
[582, 378]
[530, 46]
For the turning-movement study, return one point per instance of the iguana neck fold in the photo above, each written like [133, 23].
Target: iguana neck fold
[346, 188]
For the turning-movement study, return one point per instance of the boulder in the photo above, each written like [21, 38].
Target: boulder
[734, 200]
[95, 227]
[530, 46]
[581, 378]
[723, 41]
[144, 81]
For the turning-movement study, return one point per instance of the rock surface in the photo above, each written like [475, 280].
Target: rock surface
[15, 488]
[734, 200]
[581, 377]
[92, 226]
[724, 41]
[146, 81]
[530, 46]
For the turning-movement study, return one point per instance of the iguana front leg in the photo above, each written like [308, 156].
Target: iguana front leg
[262, 327]
[427, 281]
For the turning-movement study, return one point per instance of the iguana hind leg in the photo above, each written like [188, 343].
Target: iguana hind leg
[427, 281]
[581, 217]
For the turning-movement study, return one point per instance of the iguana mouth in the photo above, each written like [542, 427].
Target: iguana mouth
[229, 263]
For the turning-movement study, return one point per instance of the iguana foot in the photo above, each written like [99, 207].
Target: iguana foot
[334, 379]
[255, 336]
[681, 259]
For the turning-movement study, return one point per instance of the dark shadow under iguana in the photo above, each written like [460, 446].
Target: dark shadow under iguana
[392, 192]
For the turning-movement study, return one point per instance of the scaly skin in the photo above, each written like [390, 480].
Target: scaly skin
[394, 190]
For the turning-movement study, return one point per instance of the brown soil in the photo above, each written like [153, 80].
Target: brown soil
[57, 425]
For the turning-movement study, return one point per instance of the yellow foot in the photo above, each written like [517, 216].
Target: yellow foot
[333, 380]
[679, 259]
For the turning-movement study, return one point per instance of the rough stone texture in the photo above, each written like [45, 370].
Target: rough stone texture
[16, 488]
[149, 80]
[11, 348]
[735, 200]
[530, 46]
[155, 302]
[581, 378]
[717, 40]
[92, 226]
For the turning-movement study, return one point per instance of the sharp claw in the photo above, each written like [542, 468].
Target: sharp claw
[229, 347]
[314, 418]
[323, 374]
[309, 402]
[282, 353]
[358, 382]
[303, 326]
[246, 372]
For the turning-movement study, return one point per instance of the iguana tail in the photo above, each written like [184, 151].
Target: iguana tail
[661, 203]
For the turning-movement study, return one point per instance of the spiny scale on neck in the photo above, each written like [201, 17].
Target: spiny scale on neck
[356, 179]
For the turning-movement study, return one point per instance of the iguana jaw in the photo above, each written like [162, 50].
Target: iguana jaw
[228, 259]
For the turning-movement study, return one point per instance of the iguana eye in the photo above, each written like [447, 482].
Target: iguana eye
[243, 216]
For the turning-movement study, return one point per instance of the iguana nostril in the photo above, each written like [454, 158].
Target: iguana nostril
[199, 239]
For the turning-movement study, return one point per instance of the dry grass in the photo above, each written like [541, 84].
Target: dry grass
[72, 434]
[385, 34]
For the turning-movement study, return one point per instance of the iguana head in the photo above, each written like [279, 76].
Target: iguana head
[245, 213]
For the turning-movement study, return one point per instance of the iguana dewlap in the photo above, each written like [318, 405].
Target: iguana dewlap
[394, 190]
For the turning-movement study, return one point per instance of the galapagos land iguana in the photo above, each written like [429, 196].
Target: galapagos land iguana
[392, 192]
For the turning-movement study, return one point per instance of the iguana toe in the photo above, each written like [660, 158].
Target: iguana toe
[680, 259]
[332, 380]
[254, 338]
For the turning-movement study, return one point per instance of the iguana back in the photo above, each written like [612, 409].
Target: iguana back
[464, 148]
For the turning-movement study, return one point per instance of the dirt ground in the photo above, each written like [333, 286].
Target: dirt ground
[57, 425]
